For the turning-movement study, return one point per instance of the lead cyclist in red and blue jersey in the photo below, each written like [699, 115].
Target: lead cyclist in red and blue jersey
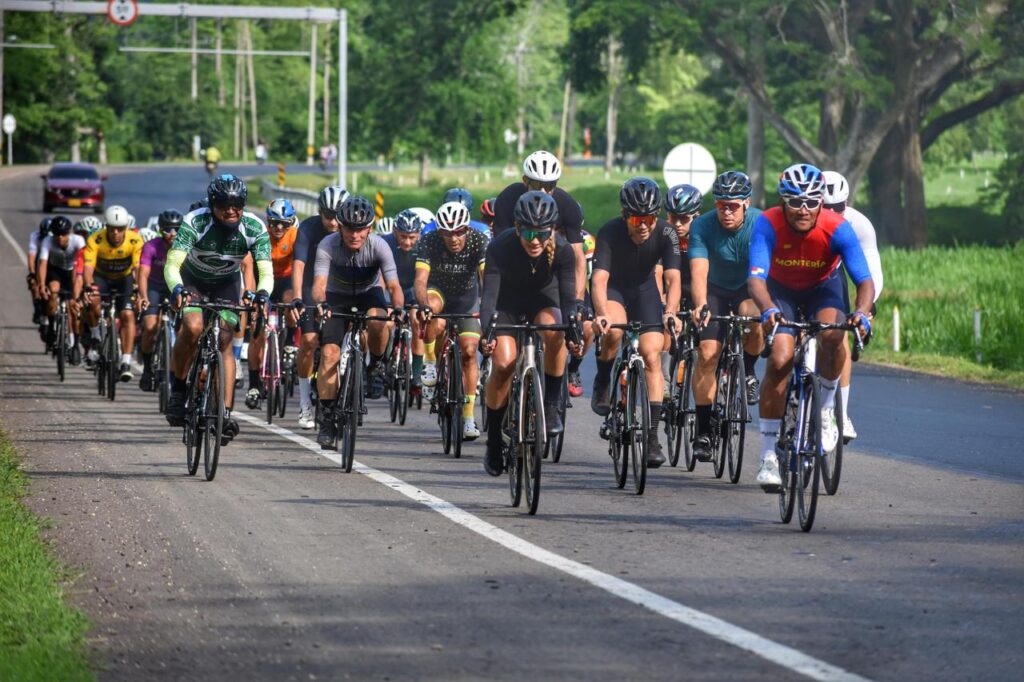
[795, 251]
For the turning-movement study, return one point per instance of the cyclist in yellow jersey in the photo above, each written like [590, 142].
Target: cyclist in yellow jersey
[110, 262]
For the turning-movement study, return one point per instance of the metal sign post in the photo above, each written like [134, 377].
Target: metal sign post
[691, 164]
[9, 126]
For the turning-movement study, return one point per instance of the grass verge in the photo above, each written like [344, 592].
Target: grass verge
[946, 366]
[41, 638]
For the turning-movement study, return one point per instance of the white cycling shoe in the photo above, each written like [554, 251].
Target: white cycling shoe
[829, 429]
[306, 418]
[849, 433]
[768, 475]
[470, 430]
[429, 375]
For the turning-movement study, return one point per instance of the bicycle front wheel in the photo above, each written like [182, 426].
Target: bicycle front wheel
[161, 366]
[272, 382]
[404, 382]
[788, 456]
[514, 453]
[832, 462]
[735, 426]
[112, 361]
[534, 438]
[455, 400]
[350, 410]
[213, 414]
[191, 436]
[638, 426]
[62, 344]
[687, 416]
[810, 455]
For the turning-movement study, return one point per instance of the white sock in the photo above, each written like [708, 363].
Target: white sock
[844, 398]
[72, 339]
[769, 429]
[126, 358]
[304, 402]
[828, 392]
[95, 332]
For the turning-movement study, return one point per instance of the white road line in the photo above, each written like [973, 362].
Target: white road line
[14, 242]
[782, 655]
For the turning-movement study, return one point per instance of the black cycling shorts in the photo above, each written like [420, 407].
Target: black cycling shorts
[642, 304]
[66, 278]
[465, 303]
[802, 305]
[281, 287]
[120, 288]
[156, 294]
[513, 307]
[334, 328]
[722, 301]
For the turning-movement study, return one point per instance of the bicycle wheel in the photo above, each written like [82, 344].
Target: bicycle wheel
[616, 435]
[687, 416]
[455, 399]
[786, 452]
[718, 423]
[351, 409]
[735, 425]
[286, 390]
[404, 383]
[111, 354]
[555, 444]
[809, 451]
[161, 364]
[191, 437]
[534, 437]
[638, 425]
[832, 461]
[514, 453]
[213, 414]
[485, 374]
[62, 343]
[272, 382]
[440, 401]
[394, 395]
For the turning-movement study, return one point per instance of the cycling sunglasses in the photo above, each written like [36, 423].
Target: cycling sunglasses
[539, 185]
[642, 220]
[729, 206]
[541, 235]
[681, 217]
[796, 203]
[454, 233]
[329, 214]
[237, 204]
[279, 224]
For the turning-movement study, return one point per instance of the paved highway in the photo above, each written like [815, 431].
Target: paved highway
[416, 567]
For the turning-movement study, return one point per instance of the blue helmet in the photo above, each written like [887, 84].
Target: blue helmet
[281, 210]
[683, 199]
[732, 185]
[408, 221]
[802, 180]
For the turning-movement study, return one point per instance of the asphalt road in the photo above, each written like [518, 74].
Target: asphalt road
[416, 567]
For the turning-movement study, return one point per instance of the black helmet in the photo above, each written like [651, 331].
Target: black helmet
[683, 199]
[732, 185]
[459, 194]
[169, 220]
[640, 196]
[356, 212]
[44, 227]
[60, 225]
[408, 221]
[201, 203]
[227, 189]
[536, 209]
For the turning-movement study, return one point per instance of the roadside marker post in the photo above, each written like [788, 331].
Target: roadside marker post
[380, 205]
[280, 175]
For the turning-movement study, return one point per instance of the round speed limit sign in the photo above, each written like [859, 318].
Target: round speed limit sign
[122, 12]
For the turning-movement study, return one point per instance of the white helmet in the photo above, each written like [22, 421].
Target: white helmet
[425, 214]
[452, 216]
[385, 225]
[332, 197]
[837, 190]
[132, 225]
[117, 216]
[542, 166]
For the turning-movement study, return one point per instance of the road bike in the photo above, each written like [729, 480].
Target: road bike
[274, 378]
[627, 425]
[162, 354]
[203, 432]
[108, 362]
[679, 412]
[524, 433]
[449, 395]
[399, 368]
[63, 348]
[799, 448]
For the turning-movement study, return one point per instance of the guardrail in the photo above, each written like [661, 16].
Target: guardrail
[304, 201]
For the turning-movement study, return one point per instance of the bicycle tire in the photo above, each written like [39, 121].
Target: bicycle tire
[271, 383]
[832, 462]
[735, 419]
[213, 427]
[393, 393]
[535, 437]
[719, 408]
[810, 455]
[190, 435]
[687, 417]
[787, 461]
[485, 375]
[616, 444]
[352, 407]
[638, 425]
[161, 366]
[513, 452]
[404, 380]
[439, 401]
[62, 344]
[287, 388]
[456, 400]
[112, 357]
[556, 442]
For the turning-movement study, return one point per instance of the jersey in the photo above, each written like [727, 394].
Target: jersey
[311, 233]
[33, 244]
[213, 155]
[511, 276]
[214, 253]
[405, 261]
[58, 258]
[865, 232]
[630, 265]
[802, 261]
[350, 273]
[475, 224]
[154, 255]
[113, 262]
[589, 247]
[727, 251]
[453, 274]
[282, 252]
[570, 213]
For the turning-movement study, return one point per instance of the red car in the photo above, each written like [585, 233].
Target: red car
[73, 185]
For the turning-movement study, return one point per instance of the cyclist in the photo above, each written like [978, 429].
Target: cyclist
[153, 288]
[487, 215]
[795, 250]
[682, 205]
[402, 242]
[384, 226]
[87, 225]
[205, 260]
[541, 171]
[56, 271]
[34, 241]
[212, 158]
[311, 231]
[349, 263]
[574, 380]
[719, 249]
[624, 288]
[282, 227]
[448, 265]
[837, 194]
[111, 259]
[462, 196]
[529, 272]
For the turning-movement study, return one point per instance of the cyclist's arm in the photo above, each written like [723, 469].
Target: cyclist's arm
[264, 275]
[321, 269]
[419, 285]
[865, 232]
[762, 242]
[143, 281]
[490, 289]
[566, 282]
[41, 272]
[172, 268]
[33, 250]
[699, 268]
[136, 259]
[581, 271]
[674, 281]
[397, 295]
[601, 273]
[844, 242]
[87, 274]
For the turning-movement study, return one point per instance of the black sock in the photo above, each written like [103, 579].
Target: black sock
[178, 385]
[655, 416]
[374, 359]
[604, 371]
[495, 415]
[748, 363]
[703, 419]
[147, 361]
[574, 363]
[552, 388]
[254, 378]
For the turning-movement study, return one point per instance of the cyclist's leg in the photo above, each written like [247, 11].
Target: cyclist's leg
[434, 330]
[644, 306]
[554, 368]
[375, 303]
[150, 320]
[496, 393]
[772, 402]
[126, 312]
[610, 340]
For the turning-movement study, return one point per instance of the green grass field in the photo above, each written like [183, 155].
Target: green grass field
[41, 638]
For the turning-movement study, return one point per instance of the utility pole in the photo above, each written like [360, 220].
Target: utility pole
[252, 87]
[327, 88]
[238, 94]
[195, 60]
[1, 70]
[565, 120]
[342, 95]
[312, 98]
[219, 65]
